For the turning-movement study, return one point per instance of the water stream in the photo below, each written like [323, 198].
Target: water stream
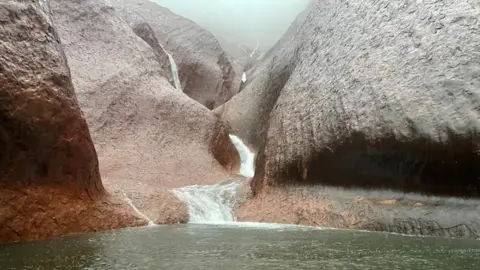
[209, 204]
[213, 204]
[247, 157]
[176, 78]
[174, 69]
[129, 201]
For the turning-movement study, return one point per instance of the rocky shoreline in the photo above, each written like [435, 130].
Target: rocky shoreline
[386, 211]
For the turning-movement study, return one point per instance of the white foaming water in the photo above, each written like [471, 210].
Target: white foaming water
[213, 204]
[209, 204]
[244, 77]
[150, 222]
[247, 158]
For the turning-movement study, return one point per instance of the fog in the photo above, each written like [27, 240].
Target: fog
[240, 21]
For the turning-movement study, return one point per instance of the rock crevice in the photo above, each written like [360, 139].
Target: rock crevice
[205, 71]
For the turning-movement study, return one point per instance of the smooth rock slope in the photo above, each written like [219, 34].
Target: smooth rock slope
[205, 71]
[150, 137]
[369, 94]
[49, 174]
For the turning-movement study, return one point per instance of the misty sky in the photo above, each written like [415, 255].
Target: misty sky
[241, 21]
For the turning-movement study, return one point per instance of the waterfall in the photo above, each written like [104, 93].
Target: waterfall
[255, 50]
[247, 158]
[129, 201]
[244, 77]
[214, 203]
[209, 204]
[174, 69]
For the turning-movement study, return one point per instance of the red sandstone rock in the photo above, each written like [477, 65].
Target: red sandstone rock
[150, 137]
[38, 212]
[49, 173]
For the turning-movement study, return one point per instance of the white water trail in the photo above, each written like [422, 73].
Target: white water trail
[174, 70]
[261, 56]
[129, 201]
[173, 67]
[209, 204]
[244, 77]
[255, 50]
[247, 158]
[213, 204]
[245, 51]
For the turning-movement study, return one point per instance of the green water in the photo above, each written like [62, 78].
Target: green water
[241, 247]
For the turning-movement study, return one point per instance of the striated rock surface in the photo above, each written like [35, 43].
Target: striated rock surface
[205, 71]
[365, 210]
[149, 136]
[369, 94]
[48, 165]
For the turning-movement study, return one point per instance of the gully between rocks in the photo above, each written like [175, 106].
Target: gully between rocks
[212, 204]
[215, 203]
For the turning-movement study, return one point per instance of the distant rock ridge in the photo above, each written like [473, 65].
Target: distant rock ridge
[149, 136]
[205, 70]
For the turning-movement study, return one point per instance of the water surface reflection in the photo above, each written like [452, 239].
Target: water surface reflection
[241, 247]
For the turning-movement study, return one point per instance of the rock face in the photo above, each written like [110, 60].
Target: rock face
[47, 157]
[42, 126]
[242, 55]
[371, 94]
[365, 210]
[149, 136]
[205, 71]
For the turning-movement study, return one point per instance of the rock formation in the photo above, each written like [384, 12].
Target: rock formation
[48, 166]
[242, 55]
[205, 71]
[149, 136]
[368, 94]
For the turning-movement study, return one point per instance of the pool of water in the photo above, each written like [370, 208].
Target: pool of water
[241, 246]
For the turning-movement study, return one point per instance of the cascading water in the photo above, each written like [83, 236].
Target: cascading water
[244, 77]
[247, 158]
[214, 203]
[209, 204]
[174, 69]
[176, 78]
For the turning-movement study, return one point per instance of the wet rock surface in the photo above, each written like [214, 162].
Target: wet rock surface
[39, 212]
[44, 136]
[365, 210]
[149, 136]
[205, 70]
[368, 94]
[48, 165]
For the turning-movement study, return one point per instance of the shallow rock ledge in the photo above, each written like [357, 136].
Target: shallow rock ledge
[365, 210]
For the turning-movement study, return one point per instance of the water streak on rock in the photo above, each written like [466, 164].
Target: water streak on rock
[129, 201]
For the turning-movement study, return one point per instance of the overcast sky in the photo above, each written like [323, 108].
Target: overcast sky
[241, 21]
